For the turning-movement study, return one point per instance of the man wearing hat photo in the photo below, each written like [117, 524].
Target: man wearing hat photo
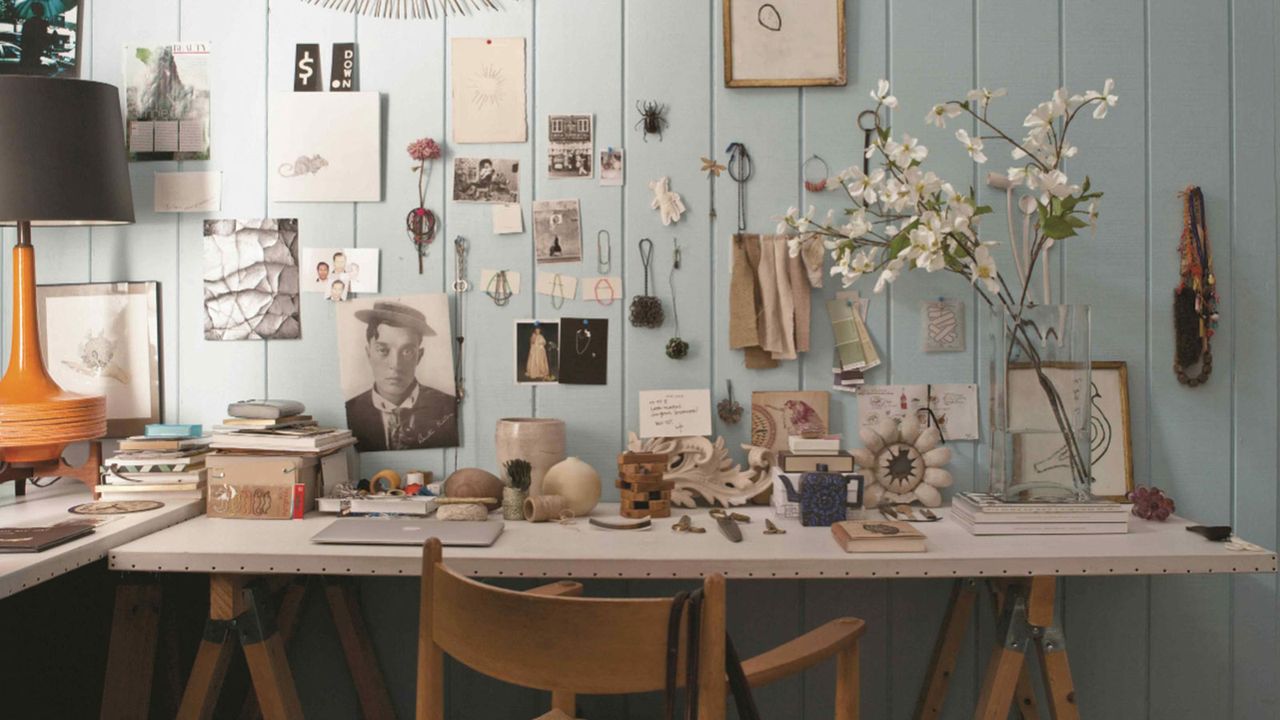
[399, 411]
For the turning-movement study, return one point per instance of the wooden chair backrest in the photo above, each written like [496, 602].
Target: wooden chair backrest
[581, 645]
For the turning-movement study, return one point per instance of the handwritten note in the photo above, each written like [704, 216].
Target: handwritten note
[675, 413]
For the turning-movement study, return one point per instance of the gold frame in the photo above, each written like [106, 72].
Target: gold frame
[1122, 368]
[839, 80]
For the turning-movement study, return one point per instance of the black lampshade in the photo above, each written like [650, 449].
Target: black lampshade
[62, 153]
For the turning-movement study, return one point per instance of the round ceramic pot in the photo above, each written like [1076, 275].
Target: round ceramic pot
[577, 482]
[539, 441]
[513, 503]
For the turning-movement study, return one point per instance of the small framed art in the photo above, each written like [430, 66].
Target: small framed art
[784, 43]
[104, 339]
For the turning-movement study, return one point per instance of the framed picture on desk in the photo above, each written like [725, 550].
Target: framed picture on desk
[104, 339]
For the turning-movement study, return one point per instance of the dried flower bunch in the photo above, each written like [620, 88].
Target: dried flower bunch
[1150, 503]
[519, 474]
[421, 222]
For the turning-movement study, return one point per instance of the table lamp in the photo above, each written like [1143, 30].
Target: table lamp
[62, 162]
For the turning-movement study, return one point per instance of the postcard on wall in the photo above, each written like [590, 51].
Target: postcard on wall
[508, 219]
[339, 272]
[487, 77]
[395, 362]
[612, 167]
[167, 101]
[778, 416]
[569, 146]
[944, 329]
[486, 180]
[675, 413]
[953, 405]
[43, 38]
[325, 147]
[251, 280]
[537, 352]
[179, 192]
[104, 339]
[557, 231]
[585, 360]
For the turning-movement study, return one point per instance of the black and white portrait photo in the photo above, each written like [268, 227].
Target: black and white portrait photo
[396, 362]
[557, 231]
[486, 180]
[570, 147]
[537, 352]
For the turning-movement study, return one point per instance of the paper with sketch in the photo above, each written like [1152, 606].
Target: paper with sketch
[177, 192]
[488, 80]
[490, 284]
[507, 219]
[955, 405]
[675, 413]
[325, 147]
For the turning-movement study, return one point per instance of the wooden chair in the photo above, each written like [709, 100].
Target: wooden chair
[549, 639]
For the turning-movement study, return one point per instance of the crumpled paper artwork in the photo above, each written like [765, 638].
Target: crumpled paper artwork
[251, 280]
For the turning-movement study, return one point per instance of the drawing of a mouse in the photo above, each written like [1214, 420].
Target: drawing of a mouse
[303, 166]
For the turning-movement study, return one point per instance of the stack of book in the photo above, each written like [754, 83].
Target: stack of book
[293, 434]
[984, 514]
[166, 462]
[806, 454]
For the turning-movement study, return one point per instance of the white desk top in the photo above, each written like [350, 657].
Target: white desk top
[579, 550]
[45, 506]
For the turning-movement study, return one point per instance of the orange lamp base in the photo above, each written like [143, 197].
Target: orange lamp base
[38, 419]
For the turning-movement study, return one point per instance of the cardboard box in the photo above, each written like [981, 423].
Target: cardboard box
[261, 487]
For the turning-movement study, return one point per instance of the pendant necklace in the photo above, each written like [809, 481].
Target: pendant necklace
[677, 349]
[1195, 301]
[582, 339]
[818, 183]
[557, 292]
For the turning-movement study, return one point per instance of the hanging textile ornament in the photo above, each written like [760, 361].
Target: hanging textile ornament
[729, 409]
[740, 170]
[668, 203]
[421, 222]
[713, 170]
[1195, 301]
[815, 176]
[677, 348]
[646, 310]
[499, 288]
[604, 252]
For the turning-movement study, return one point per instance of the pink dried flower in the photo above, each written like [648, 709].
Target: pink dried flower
[1150, 503]
[424, 149]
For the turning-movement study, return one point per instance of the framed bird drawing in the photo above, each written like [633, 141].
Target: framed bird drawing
[776, 416]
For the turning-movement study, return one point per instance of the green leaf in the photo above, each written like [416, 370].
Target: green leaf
[1057, 228]
[1077, 222]
[982, 210]
[898, 243]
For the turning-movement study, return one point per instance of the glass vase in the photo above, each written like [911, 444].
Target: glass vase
[1041, 404]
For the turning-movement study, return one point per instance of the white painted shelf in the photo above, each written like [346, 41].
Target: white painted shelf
[580, 551]
[40, 506]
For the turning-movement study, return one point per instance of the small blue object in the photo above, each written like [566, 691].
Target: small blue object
[173, 430]
[824, 496]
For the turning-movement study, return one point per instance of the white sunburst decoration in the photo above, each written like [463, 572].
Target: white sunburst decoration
[410, 9]
[903, 462]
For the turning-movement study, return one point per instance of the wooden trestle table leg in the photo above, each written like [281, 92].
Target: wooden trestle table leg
[946, 650]
[207, 672]
[131, 656]
[344, 605]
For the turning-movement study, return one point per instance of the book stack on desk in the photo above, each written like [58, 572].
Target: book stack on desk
[984, 514]
[303, 439]
[166, 462]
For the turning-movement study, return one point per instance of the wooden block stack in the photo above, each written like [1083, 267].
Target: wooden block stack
[640, 482]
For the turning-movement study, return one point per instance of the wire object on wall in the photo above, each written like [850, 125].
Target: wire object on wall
[409, 9]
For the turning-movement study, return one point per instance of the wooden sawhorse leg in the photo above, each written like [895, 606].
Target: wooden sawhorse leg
[135, 623]
[240, 605]
[1025, 614]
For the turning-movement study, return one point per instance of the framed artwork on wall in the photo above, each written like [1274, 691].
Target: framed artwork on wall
[1040, 450]
[104, 339]
[41, 37]
[776, 416]
[784, 43]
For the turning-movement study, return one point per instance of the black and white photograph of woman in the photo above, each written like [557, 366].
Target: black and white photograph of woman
[537, 352]
[557, 231]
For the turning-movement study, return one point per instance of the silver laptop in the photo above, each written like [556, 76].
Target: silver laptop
[388, 531]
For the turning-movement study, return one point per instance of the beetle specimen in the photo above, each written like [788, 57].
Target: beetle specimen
[653, 118]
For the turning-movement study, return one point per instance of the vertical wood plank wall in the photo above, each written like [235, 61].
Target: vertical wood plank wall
[1198, 105]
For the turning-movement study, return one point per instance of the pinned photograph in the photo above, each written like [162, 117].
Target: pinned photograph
[586, 356]
[612, 167]
[395, 357]
[167, 101]
[537, 352]
[557, 231]
[104, 339]
[251, 280]
[40, 38]
[340, 272]
[486, 180]
[570, 146]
